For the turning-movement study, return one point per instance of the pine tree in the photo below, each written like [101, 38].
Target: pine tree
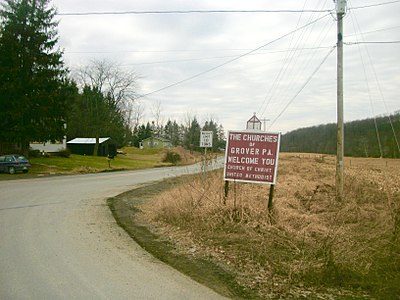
[34, 90]
[192, 135]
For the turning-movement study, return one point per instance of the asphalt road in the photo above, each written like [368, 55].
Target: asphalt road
[58, 240]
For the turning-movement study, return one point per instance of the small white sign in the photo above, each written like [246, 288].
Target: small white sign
[206, 139]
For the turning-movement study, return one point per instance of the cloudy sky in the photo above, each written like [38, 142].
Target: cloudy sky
[278, 61]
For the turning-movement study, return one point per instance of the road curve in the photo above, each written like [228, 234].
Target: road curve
[58, 240]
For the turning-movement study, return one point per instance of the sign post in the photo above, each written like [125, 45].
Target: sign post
[206, 140]
[252, 156]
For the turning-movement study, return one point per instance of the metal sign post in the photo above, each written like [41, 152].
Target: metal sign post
[206, 141]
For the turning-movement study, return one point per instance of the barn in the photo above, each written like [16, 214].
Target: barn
[85, 146]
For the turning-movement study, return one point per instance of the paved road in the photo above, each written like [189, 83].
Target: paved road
[58, 240]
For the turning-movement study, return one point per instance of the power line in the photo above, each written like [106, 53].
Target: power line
[373, 31]
[371, 42]
[303, 86]
[288, 67]
[221, 11]
[166, 12]
[374, 5]
[205, 58]
[357, 26]
[208, 58]
[233, 59]
[188, 50]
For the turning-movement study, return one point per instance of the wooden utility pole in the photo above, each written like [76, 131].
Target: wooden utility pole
[264, 123]
[340, 11]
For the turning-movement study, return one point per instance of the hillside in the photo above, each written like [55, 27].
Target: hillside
[360, 138]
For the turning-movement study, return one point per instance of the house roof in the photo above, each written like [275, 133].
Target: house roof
[87, 140]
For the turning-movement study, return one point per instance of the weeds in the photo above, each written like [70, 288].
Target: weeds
[313, 244]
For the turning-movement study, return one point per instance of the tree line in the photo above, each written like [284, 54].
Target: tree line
[372, 137]
[34, 86]
[186, 134]
[42, 100]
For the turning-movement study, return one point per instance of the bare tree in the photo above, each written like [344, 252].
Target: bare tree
[156, 112]
[137, 113]
[119, 87]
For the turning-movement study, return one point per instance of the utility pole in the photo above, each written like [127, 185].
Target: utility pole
[264, 123]
[340, 11]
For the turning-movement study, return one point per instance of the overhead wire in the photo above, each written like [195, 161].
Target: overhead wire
[323, 33]
[231, 60]
[168, 12]
[189, 50]
[217, 49]
[302, 87]
[211, 57]
[372, 42]
[374, 31]
[320, 39]
[374, 5]
[272, 88]
[251, 52]
[206, 11]
[294, 73]
[357, 26]
[370, 98]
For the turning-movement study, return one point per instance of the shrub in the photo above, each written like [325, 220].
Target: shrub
[34, 153]
[172, 157]
[64, 153]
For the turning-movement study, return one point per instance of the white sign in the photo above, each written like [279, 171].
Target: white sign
[206, 139]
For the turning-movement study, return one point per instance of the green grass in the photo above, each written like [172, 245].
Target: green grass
[80, 164]
[137, 151]
[133, 159]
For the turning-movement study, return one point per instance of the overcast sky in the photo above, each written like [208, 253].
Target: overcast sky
[291, 80]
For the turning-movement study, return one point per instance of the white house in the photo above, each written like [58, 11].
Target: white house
[49, 147]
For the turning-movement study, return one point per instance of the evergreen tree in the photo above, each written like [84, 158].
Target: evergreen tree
[94, 115]
[192, 135]
[218, 134]
[34, 91]
[171, 132]
[141, 133]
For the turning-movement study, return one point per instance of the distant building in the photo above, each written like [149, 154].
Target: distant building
[253, 123]
[155, 143]
[49, 147]
[85, 146]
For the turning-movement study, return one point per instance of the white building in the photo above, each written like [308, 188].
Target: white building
[49, 147]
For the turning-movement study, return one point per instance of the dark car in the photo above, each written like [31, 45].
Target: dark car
[14, 163]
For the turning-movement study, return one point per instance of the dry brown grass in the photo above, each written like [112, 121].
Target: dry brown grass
[309, 244]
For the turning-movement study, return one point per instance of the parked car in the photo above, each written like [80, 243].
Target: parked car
[14, 163]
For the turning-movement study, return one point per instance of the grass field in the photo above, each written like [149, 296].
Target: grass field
[88, 164]
[309, 245]
[132, 159]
